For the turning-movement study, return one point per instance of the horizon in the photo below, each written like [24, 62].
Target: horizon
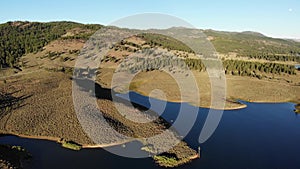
[277, 20]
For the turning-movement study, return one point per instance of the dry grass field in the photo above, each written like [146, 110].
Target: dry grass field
[283, 88]
[47, 112]
[41, 104]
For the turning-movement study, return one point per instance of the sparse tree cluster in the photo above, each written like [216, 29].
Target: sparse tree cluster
[165, 41]
[160, 63]
[195, 64]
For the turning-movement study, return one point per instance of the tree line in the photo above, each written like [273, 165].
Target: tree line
[246, 68]
[231, 67]
[275, 57]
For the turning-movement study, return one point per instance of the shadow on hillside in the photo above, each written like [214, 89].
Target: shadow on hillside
[94, 89]
[99, 92]
[8, 102]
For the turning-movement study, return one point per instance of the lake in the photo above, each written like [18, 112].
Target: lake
[260, 136]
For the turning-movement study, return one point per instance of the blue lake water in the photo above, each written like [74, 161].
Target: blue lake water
[261, 136]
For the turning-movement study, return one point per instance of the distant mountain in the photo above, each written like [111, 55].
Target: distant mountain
[297, 40]
[253, 33]
[251, 43]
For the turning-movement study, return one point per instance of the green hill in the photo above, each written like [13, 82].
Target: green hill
[254, 45]
[19, 38]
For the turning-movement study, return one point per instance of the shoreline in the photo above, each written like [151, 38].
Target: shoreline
[58, 140]
[89, 146]
[86, 146]
[240, 105]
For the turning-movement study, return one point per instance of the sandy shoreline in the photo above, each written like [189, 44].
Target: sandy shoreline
[57, 140]
[239, 105]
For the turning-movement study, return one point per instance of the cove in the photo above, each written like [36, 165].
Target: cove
[260, 136]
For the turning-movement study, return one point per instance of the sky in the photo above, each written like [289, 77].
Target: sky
[275, 18]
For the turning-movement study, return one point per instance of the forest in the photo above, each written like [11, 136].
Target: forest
[19, 38]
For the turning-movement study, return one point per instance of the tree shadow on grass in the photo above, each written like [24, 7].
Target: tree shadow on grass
[8, 103]
[99, 92]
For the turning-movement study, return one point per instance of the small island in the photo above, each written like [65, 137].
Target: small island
[70, 145]
[297, 108]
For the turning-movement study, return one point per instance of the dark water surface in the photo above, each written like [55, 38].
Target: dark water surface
[261, 136]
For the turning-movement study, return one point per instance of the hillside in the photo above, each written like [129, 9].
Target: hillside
[37, 64]
[31, 47]
[254, 45]
[54, 46]
[20, 38]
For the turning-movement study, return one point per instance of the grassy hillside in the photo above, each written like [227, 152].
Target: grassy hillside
[19, 38]
[55, 46]
[164, 41]
[255, 45]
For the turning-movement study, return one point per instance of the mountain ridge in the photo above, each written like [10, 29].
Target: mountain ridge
[22, 37]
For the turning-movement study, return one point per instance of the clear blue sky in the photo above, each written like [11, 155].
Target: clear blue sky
[271, 17]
